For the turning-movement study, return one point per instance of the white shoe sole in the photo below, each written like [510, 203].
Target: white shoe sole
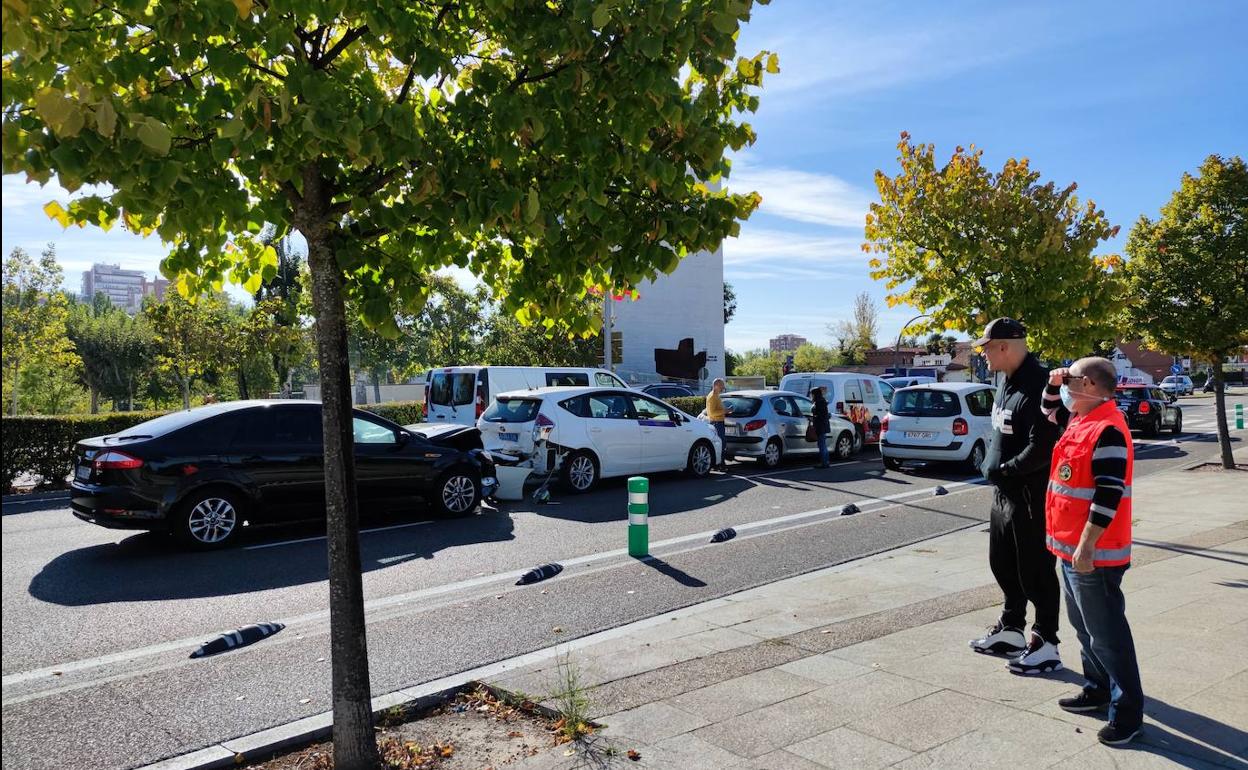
[997, 649]
[1043, 668]
[1121, 741]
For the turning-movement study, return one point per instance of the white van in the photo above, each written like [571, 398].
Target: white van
[863, 399]
[461, 394]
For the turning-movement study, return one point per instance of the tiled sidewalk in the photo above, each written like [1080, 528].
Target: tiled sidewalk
[866, 665]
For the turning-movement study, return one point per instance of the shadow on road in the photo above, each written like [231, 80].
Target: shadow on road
[1226, 743]
[675, 573]
[149, 567]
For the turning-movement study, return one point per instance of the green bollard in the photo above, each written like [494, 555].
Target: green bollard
[1239, 417]
[638, 516]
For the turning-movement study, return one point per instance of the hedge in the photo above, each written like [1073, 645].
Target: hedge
[44, 445]
[690, 404]
[402, 412]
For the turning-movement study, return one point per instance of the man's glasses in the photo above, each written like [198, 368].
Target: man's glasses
[1069, 378]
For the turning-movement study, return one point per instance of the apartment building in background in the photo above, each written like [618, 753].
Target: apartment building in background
[787, 343]
[124, 288]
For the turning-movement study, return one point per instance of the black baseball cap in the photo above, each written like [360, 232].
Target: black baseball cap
[1002, 329]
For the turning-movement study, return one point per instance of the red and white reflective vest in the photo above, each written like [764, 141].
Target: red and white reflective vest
[1071, 486]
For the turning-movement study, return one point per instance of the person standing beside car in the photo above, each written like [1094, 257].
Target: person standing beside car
[821, 420]
[715, 415]
[1088, 512]
[1017, 464]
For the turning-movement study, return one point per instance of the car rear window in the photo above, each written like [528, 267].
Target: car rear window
[168, 423]
[925, 403]
[513, 410]
[452, 389]
[1130, 394]
[569, 379]
[741, 406]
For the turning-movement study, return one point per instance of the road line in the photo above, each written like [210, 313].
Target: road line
[752, 476]
[322, 537]
[413, 596]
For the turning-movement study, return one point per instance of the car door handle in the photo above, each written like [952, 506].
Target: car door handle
[595, 430]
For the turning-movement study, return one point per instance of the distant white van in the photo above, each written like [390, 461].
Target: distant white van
[863, 399]
[461, 394]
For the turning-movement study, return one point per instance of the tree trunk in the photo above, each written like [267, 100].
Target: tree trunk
[95, 400]
[355, 747]
[1219, 397]
[376, 388]
[243, 393]
[130, 395]
[186, 392]
[17, 379]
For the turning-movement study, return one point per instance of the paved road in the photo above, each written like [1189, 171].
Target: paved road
[97, 625]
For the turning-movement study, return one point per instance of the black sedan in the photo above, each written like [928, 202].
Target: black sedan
[1147, 408]
[203, 474]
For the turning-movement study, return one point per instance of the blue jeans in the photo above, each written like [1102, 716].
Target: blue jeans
[1097, 612]
[822, 439]
[722, 432]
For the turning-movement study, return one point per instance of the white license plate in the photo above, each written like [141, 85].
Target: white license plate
[509, 436]
[732, 430]
[82, 472]
[920, 434]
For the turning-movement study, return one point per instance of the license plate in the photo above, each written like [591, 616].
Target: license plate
[509, 436]
[82, 472]
[732, 430]
[919, 434]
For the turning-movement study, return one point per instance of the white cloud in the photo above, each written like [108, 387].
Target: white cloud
[802, 196]
[20, 194]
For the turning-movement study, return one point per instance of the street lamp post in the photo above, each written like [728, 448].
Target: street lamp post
[897, 347]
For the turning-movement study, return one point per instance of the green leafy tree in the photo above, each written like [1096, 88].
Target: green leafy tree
[34, 320]
[191, 338]
[855, 336]
[761, 363]
[813, 358]
[547, 147]
[941, 344]
[275, 329]
[507, 342]
[1188, 273]
[967, 245]
[730, 303]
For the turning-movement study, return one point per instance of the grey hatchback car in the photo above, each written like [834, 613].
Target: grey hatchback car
[768, 425]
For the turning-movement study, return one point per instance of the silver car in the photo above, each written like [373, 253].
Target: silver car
[769, 425]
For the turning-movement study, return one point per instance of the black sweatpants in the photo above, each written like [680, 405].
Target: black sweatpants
[1021, 562]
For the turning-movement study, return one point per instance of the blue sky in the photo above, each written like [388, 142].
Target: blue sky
[1119, 97]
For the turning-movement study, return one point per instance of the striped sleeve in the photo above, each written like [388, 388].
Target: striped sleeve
[1051, 403]
[1109, 470]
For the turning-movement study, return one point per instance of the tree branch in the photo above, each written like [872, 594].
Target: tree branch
[265, 70]
[350, 37]
[523, 77]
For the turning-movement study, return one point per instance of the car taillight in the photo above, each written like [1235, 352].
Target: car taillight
[884, 425]
[960, 428]
[114, 460]
[1145, 408]
[480, 399]
[753, 425]
[544, 422]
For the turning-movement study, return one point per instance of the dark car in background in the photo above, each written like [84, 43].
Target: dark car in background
[668, 390]
[203, 474]
[1148, 409]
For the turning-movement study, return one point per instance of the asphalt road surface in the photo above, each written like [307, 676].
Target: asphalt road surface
[98, 625]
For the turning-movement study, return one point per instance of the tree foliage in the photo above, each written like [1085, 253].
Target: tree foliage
[1188, 272]
[761, 363]
[192, 338]
[34, 320]
[967, 245]
[813, 358]
[856, 335]
[730, 303]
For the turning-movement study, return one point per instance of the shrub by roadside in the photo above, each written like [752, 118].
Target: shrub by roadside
[402, 412]
[690, 404]
[44, 445]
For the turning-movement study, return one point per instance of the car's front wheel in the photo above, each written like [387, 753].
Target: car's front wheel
[892, 463]
[1177, 428]
[580, 471]
[701, 459]
[458, 492]
[208, 519]
[772, 453]
[975, 462]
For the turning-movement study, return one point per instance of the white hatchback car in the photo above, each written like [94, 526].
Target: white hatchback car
[945, 422]
[595, 433]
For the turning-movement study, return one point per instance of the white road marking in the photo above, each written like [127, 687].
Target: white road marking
[833, 512]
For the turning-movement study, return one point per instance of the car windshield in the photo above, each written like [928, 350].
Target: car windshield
[451, 389]
[512, 410]
[741, 406]
[925, 403]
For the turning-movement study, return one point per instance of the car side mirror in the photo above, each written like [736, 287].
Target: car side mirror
[404, 437]
[1172, 398]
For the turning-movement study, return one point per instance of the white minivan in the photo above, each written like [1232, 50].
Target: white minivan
[461, 394]
[862, 399]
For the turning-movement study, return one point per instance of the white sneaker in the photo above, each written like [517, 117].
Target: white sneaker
[1040, 657]
[1000, 641]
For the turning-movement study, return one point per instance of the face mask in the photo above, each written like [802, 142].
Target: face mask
[1068, 398]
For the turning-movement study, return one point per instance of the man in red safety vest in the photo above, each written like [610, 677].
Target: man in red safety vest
[1088, 525]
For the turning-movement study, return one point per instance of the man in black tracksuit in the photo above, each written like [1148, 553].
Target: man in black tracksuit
[1017, 464]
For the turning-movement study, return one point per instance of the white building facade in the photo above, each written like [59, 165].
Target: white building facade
[674, 330]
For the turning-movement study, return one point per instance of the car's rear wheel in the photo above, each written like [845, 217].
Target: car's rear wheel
[1153, 428]
[844, 445]
[975, 461]
[580, 471]
[892, 463]
[1177, 428]
[701, 459]
[772, 453]
[457, 493]
[208, 519]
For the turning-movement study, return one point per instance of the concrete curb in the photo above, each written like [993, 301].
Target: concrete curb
[34, 501]
[49, 495]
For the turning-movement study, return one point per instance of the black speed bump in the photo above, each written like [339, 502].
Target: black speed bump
[725, 534]
[539, 574]
[232, 640]
[849, 509]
